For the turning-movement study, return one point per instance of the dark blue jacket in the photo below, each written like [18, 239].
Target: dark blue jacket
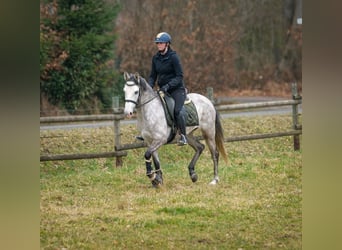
[167, 69]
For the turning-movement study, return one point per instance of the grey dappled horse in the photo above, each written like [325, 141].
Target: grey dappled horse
[153, 126]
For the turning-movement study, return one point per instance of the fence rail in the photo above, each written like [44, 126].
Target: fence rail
[240, 106]
[82, 156]
[117, 116]
[80, 118]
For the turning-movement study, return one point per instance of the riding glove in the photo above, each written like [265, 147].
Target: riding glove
[165, 88]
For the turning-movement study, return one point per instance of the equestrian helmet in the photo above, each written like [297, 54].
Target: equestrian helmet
[163, 37]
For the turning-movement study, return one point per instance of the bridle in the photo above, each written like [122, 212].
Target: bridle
[132, 84]
[137, 103]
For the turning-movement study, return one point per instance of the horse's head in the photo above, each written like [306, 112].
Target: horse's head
[132, 92]
[134, 87]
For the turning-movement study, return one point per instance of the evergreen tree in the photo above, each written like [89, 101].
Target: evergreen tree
[76, 54]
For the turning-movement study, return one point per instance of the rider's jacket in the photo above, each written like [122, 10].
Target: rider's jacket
[166, 69]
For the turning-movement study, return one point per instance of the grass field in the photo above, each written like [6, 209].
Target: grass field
[90, 204]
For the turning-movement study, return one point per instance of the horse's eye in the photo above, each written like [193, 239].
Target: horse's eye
[136, 92]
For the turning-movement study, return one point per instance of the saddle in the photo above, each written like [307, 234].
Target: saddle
[191, 116]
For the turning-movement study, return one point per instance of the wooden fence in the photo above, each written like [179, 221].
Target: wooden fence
[120, 149]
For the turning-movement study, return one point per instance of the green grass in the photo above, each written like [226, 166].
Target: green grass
[91, 204]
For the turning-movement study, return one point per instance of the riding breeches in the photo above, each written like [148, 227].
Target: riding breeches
[179, 96]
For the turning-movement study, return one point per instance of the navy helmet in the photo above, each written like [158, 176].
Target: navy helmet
[163, 37]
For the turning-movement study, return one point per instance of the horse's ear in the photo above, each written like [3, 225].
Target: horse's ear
[137, 76]
[126, 76]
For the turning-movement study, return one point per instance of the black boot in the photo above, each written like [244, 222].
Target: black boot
[182, 140]
[180, 119]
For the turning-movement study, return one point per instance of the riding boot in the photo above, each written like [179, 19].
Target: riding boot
[182, 141]
[180, 120]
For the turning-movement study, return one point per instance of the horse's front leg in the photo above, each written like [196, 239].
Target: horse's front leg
[159, 174]
[156, 177]
[148, 162]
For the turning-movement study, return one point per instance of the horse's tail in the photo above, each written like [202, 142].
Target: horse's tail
[219, 137]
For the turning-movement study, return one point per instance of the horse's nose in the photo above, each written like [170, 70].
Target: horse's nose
[128, 113]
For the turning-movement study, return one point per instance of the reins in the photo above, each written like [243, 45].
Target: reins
[142, 104]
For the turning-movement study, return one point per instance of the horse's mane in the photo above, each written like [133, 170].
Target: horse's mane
[138, 79]
[144, 84]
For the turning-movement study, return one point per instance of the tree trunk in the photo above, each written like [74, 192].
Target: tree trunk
[289, 68]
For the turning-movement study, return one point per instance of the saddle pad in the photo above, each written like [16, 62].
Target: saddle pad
[191, 114]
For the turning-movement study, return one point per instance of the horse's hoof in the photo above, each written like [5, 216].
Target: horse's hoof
[214, 181]
[194, 177]
[156, 183]
[158, 180]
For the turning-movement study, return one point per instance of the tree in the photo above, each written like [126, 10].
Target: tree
[76, 51]
[290, 66]
[201, 32]
[236, 44]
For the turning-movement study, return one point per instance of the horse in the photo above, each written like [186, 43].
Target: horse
[152, 123]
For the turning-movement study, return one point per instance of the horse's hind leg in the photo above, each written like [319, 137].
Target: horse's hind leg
[198, 147]
[215, 157]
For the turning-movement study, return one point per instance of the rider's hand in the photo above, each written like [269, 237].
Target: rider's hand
[164, 88]
[161, 93]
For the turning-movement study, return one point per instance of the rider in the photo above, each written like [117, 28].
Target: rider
[167, 69]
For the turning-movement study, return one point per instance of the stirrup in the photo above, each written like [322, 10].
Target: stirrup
[182, 141]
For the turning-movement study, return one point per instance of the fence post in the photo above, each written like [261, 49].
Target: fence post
[116, 111]
[210, 94]
[295, 124]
